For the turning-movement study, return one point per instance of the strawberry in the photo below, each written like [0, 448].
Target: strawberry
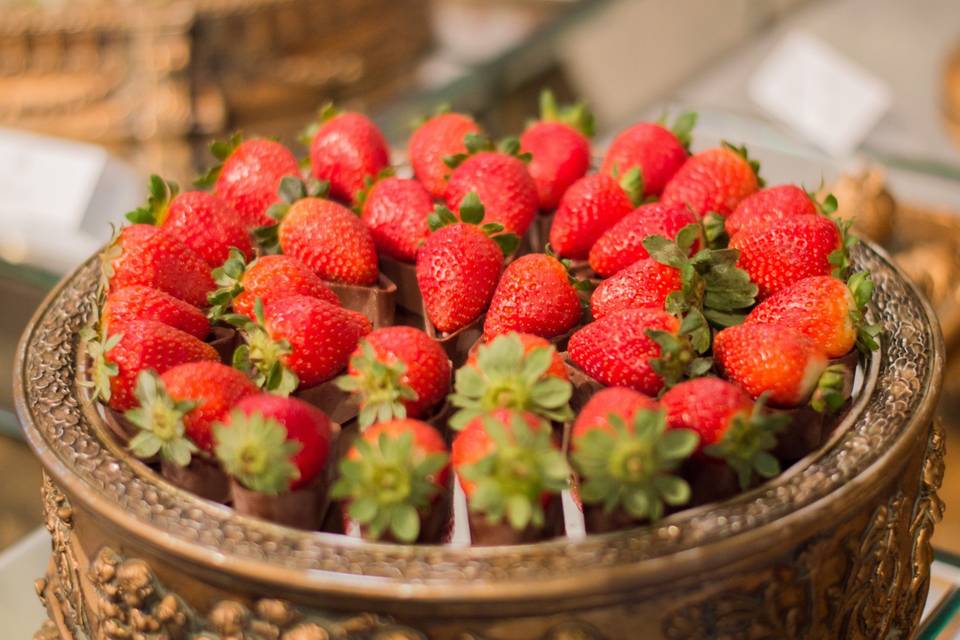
[774, 203]
[729, 424]
[249, 175]
[714, 181]
[826, 310]
[134, 347]
[272, 444]
[508, 464]
[142, 254]
[324, 235]
[628, 463]
[503, 184]
[178, 409]
[536, 294]
[437, 140]
[269, 278]
[636, 348]
[559, 146]
[396, 211]
[645, 283]
[656, 151]
[610, 401]
[781, 252]
[588, 208]
[397, 372]
[203, 222]
[459, 264]
[138, 302]
[513, 371]
[622, 244]
[297, 342]
[779, 361]
[391, 477]
[347, 150]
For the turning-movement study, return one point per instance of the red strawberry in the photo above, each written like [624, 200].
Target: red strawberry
[714, 181]
[436, 140]
[249, 176]
[298, 342]
[729, 424]
[645, 283]
[134, 347]
[269, 278]
[616, 350]
[178, 409]
[622, 244]
[145, 255]
[272, 444]
[396, 212]
[508, 464]
[588, 208]
[201, 220]
[779, 361]
[535, 295]
[459, 264]
[626, 463]
[825, 309]
[346, 150]
[329, 239]
[559, 145]
[655, 150]
[607, 402]
[513, 371]
[782, 252]
[772, 203]
[503, 184]
[397, 372]
[392, 476]
[138, 302]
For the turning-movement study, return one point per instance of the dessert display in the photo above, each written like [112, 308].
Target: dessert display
[524, 390]
[673, 334]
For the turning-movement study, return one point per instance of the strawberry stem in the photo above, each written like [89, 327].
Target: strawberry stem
[254, 450]
[630, 467]
[378, 387]
[154, 212]
[511, 481]
[506, 377]
[228, 279]
[576, 115]
[472, 212]
[829, 395]
[388, 484]
[221, 150]
[747, 442]
[261, 358]
[160, 420]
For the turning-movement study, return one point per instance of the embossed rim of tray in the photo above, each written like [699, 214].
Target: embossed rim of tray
[894, 406]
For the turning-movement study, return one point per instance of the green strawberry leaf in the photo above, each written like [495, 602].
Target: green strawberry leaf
[747, 441]
[160, 420]
[221, 150]
[379, 388]
[255, 451]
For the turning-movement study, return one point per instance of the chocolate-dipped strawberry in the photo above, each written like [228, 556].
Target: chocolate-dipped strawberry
[627, 460]
[397, 372]
[513, 371]
[392, 481]
[509, 467]
[275, 449]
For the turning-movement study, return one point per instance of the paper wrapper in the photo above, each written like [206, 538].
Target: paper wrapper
[457, 344]
[376, 302]
[203, 477]
[225, 341]
[404, 275]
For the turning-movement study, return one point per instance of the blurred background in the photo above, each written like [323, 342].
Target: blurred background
[862, 95]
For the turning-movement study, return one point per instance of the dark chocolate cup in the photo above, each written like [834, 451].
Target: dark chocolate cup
[121, 428]
[484, 534]
[333, 401]
[377, 302]
[538, 235]
[225, 341]
[457, 344]
[597, 520]
[301, 508]
[404, 275]
[203, 477]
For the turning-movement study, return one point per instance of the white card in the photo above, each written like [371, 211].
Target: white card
[818, 92]
[45, 181]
